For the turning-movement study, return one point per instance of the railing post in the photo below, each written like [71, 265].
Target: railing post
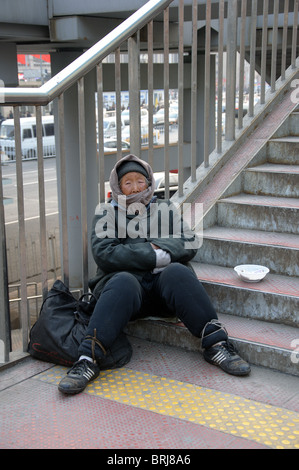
[5, 340]
[134, 93]
[231, 70]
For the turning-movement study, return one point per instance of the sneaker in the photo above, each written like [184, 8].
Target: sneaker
[225, 356]
[78, 377]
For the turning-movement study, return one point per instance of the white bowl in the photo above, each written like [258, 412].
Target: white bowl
[251, 272]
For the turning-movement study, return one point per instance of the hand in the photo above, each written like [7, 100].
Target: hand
[155, 247]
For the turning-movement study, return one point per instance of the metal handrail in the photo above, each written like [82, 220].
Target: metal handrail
[89, 59]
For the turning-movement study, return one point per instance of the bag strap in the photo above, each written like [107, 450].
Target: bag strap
[90, 294]
[95, 341]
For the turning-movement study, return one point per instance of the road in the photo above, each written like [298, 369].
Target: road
[31, 196]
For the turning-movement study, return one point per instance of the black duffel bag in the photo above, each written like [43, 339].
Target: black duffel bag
[62, 325]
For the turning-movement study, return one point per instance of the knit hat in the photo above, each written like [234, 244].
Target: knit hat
[129, 166]
[125, 164]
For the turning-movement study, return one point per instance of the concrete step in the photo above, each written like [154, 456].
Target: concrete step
[261, 343]
[272, 180]
[274, 299]
[289, 127]
[228, 247]
[276, 214]
[284, 150]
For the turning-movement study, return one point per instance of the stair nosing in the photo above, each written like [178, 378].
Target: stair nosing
[264, 286]
[274, 168]
[261, 200]
[278, 242]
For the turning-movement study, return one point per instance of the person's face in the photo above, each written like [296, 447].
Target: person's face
[132, 183]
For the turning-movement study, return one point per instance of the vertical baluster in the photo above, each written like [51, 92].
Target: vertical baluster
[242, 63]
[274, 46]
[252, 56]
[101, 158]
[150, 84]
[207, 85]
[134, 94]
[42, 204]
[295, 34]
[264, 50]
[181, 97]
[63, 193]
[83, 182]
[118, 103]
[220, 77]
[166, 101]
[22, 235]
[284, 39]
[231, 70]
[194, 91]
[4, 298]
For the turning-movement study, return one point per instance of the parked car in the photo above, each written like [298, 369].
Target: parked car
[126, 115]
[159, 117]
[110, 145]
[110, 126]
[160, 184]
[143, 133]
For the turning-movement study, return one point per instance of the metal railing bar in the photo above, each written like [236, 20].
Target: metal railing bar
[274, 46]
[284, 39]
[22, 235]
[118, 103]
[4, 297]
[181, 98]
[220, 77]
[207, 85]
[150, 84]
[42, 203]
[166, 101]
[87, 61]
[295, 34]
[252, 57]
[264, 50]
[242, 63]
[83, 185]
[230, 71]
[63, 192]
[134, 94]
[194, 91]
[101, 159]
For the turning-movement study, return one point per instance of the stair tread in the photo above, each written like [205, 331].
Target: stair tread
[258, 331]
[286, 240]
[272, 283]
[244, 329]
[257, 200]
[275, 168]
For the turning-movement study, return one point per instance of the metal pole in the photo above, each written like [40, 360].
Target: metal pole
[231, 70]
[134, 94]
[4, 300]
[194, 92]
[207, 85]
[83, 182]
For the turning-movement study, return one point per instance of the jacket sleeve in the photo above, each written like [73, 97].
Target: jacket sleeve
[178, 240]
[118, 254]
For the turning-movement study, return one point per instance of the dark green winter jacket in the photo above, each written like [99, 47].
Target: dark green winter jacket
[122, 242]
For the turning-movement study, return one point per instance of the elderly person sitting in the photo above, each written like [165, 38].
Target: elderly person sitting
[143, 268]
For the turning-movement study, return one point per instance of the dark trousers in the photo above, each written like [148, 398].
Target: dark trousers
[175, 291]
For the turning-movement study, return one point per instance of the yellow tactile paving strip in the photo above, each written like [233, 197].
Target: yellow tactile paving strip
[266, 424]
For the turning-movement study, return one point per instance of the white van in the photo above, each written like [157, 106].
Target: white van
[28, 137]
